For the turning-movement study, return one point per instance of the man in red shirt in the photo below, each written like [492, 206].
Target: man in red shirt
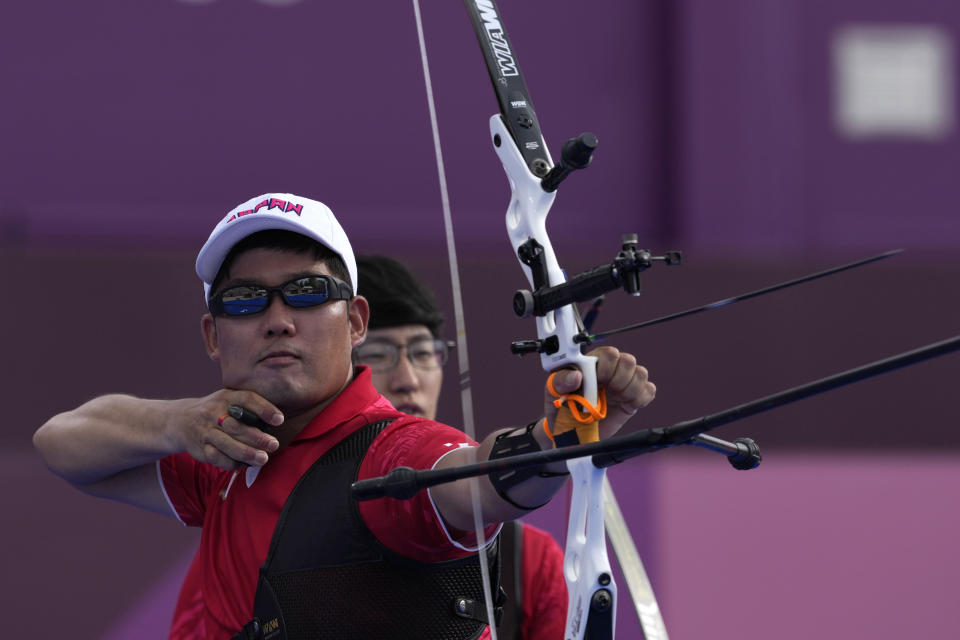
[371, 569]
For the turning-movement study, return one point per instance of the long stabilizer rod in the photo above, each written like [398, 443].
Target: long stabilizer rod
[404, 482]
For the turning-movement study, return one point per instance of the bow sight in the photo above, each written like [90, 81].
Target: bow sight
[623, 272]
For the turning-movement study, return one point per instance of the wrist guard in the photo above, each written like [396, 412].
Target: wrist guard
[514, 443]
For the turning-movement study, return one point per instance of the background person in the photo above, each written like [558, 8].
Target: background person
[406, 353]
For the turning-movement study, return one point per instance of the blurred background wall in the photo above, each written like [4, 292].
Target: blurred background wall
[765, 138]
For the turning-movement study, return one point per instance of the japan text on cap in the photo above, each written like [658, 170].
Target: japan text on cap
[282, 211]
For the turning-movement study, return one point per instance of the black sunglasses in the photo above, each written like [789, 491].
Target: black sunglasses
[305, 291]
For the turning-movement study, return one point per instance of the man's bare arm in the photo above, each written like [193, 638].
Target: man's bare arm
[107, 447]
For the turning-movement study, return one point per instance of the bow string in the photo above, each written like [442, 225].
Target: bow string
[466, 396]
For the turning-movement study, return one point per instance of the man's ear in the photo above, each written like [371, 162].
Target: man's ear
[358, 310]
[208, 327]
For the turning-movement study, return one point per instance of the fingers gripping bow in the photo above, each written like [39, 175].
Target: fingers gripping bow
[577, 421]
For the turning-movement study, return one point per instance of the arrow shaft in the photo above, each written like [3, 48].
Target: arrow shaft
[746, 296]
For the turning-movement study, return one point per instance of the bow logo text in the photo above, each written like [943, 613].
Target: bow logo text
[505, 61]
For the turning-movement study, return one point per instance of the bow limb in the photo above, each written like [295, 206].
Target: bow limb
[466, 397]
[526, 221]
[515, 134]
[591, 591]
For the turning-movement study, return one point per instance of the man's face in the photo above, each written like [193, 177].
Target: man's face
[295, 358]
[409, 388]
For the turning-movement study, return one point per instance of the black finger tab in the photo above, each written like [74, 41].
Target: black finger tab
[246, 417]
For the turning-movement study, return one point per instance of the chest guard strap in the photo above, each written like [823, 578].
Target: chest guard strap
[327, 577]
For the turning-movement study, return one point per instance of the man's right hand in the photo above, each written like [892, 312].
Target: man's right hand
[203, 428]
[109, 446]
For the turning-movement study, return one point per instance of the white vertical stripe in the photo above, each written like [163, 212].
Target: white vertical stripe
[167, 497]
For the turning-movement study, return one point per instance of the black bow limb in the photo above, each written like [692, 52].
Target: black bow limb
[404, 482]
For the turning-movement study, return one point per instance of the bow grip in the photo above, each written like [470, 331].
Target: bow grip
[577, 420]
[567, 423]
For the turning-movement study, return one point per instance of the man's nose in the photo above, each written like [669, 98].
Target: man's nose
[404, 374]
[278, 317]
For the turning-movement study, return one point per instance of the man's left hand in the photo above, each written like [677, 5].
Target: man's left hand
[627, 385]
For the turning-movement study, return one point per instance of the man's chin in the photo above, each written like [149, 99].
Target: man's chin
[289, 398]
[293, 392]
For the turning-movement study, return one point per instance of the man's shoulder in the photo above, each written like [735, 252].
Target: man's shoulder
[413, 441]
[380, 409]
[409, 425]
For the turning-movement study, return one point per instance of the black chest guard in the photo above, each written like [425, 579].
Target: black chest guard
[327, 577]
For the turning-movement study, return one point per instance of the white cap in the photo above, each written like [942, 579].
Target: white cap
[283, 211]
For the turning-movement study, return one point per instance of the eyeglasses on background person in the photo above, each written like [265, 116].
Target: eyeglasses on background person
[305, 291]
[424, 353]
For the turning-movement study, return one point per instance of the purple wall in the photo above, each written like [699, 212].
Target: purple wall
[814, 546]
[127, 128]
[762, 165]
[132, 120]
